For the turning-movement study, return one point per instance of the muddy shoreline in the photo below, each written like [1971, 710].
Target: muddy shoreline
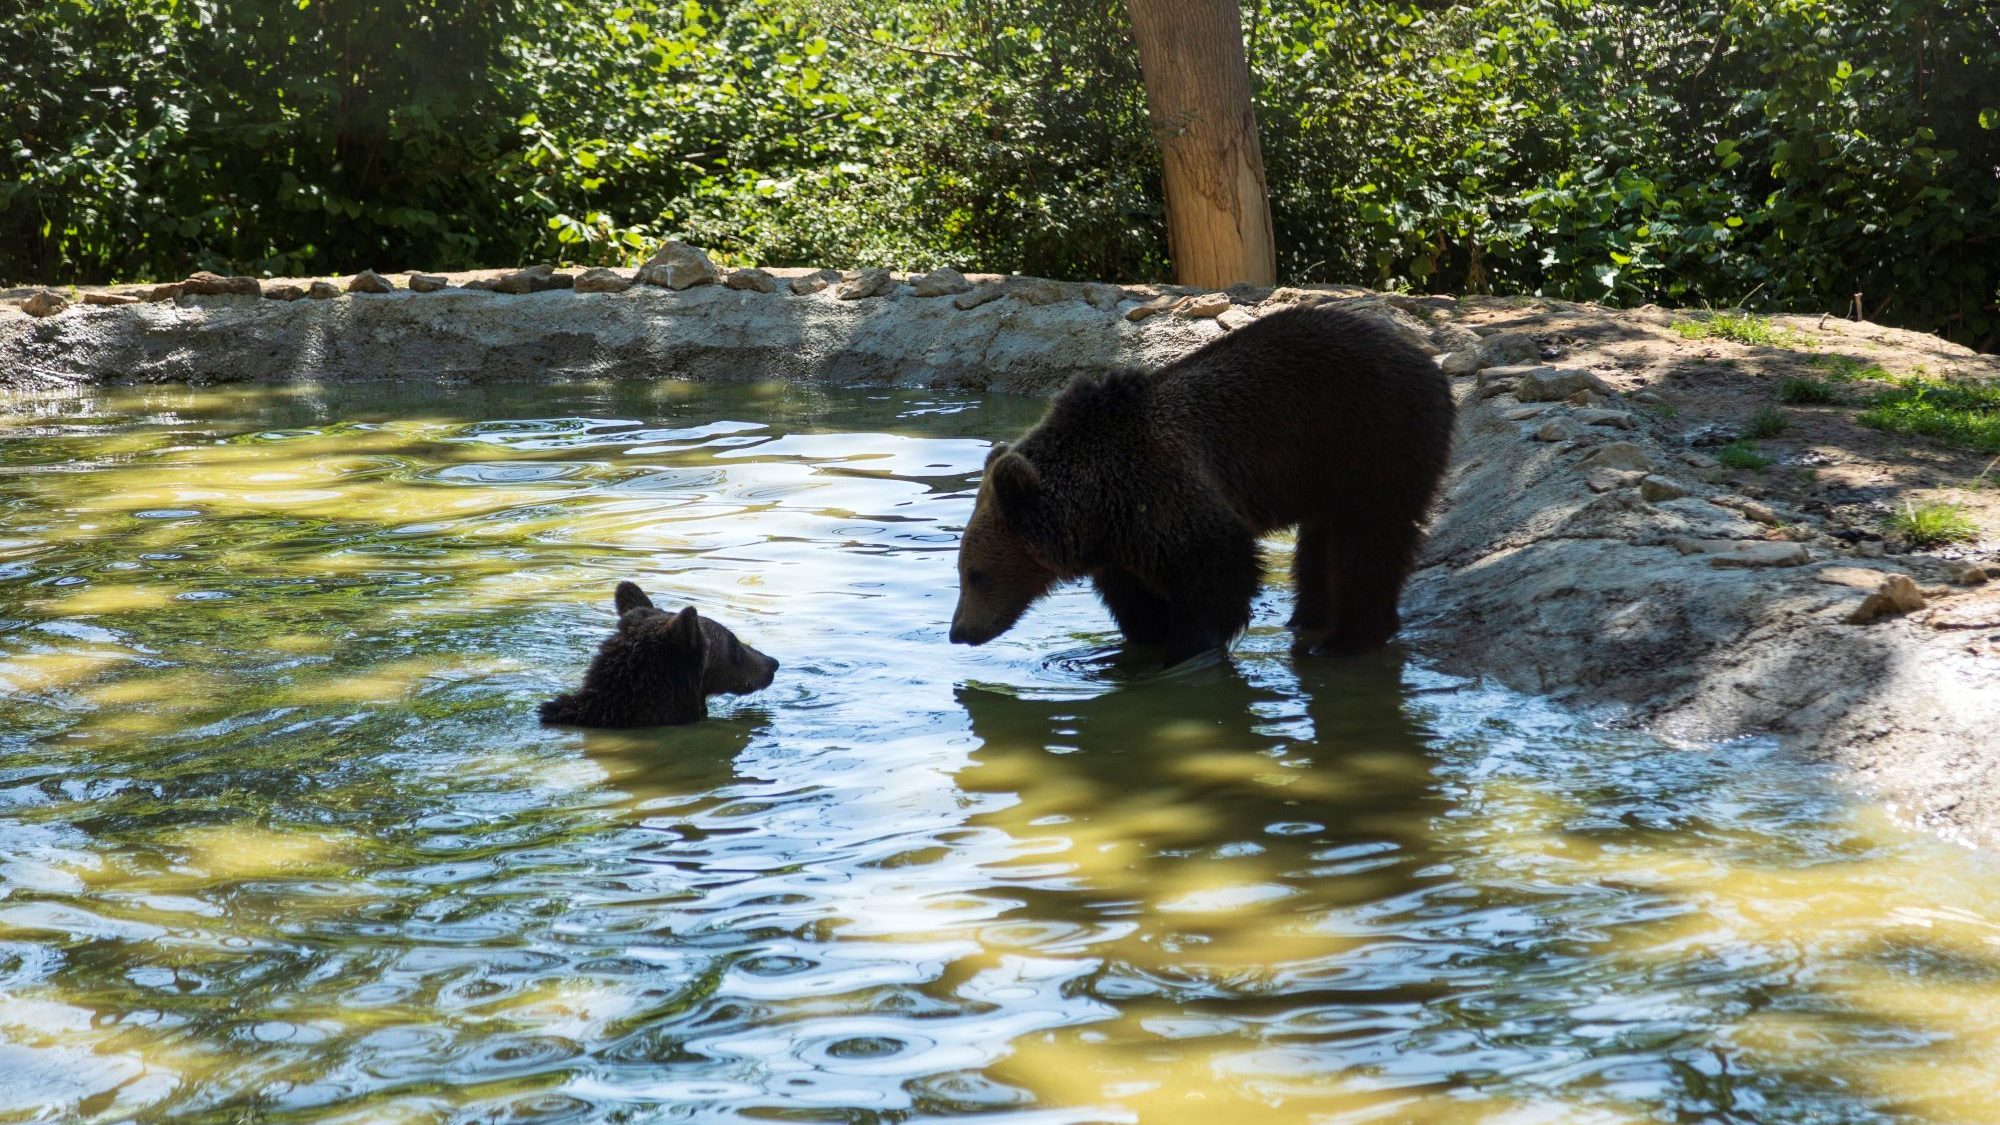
[1589, 548]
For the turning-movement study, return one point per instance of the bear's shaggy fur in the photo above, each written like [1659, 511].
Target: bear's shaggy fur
[659, 669]
[1156, 487]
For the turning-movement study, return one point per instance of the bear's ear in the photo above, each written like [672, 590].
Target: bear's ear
[630, 597]
[1018, 488]
[685, 630]
[1116, 395]
[998, 451]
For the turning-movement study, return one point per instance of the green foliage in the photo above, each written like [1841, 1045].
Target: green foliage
[1962, 414]
[1780, 155]
[1924, 526]
[1741, 328]
[1743, 455]
[1846, 369]
[1801, 391]
[1767, 421]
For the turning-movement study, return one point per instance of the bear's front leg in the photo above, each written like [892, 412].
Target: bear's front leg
[1143, 616]
[1208, 593]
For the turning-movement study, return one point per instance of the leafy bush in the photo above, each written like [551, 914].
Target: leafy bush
[1781, 155]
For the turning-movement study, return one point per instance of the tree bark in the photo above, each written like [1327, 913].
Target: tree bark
[1198, 96]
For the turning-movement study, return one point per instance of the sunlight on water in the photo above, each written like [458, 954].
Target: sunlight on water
[281, 841]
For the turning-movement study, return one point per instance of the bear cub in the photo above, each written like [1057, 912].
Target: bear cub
[659, 669]
[1156, 487]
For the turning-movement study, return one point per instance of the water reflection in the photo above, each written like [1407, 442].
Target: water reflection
[281, 840]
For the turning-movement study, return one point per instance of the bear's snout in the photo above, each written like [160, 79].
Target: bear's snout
[963, 634]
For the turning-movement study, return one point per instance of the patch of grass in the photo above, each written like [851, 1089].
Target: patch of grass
[1768, 421]
[1743, 328]
[1801, 391]
[1666, 410]
[1844, 369]
[1933, 525]
[1962, 414]
[1743, 455]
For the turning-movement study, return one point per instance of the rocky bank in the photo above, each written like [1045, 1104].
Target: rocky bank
[1590, 547]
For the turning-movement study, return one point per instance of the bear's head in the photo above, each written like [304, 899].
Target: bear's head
[659, 669]
[1004, 563]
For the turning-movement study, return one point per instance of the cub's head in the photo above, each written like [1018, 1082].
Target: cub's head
[1001, 571]
[659, 668]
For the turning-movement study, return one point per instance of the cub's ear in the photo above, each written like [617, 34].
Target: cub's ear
[630, 597]
[998, 451]
[685, 630]
[1018, 487]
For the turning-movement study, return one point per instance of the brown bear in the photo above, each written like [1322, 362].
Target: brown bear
[1156, 487]
[659, 669]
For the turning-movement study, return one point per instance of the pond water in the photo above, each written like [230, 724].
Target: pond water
[280, 839]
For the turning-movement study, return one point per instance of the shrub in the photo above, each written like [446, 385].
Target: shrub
[1924, 526]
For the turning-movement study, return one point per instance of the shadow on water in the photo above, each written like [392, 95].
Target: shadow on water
[280, 839]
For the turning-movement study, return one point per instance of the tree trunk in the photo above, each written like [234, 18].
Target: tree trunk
[1198, 96]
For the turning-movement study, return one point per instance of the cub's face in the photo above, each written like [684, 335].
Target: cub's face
[685, 640]
[999, 575]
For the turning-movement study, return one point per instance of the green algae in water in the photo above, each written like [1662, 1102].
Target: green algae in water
[281, 841]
